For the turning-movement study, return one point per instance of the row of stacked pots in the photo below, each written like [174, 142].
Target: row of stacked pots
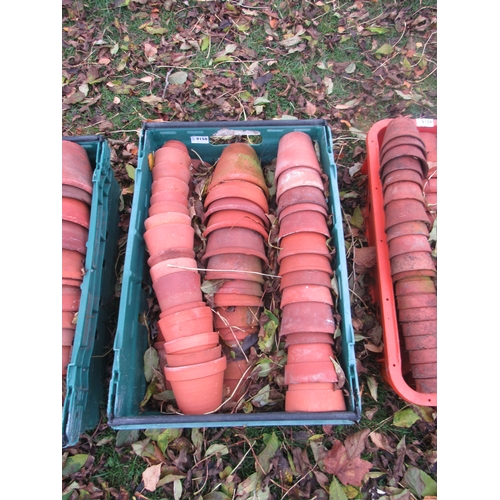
[305, 272]
[404, 170]
[76, 202]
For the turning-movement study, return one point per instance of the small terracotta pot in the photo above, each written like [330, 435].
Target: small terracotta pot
[420, 342]
[171, 266]
[166, 218]
[73, 264]
[76, 211]
[304, 243]
[192, 343]
[170, 184]
[239, 287]
[302, 194]
[308, 338]
[405, 228]
[417, 300]
[71, 298]
[233, 374]
[237, 204]
[401, 126]
[169, 195]
[237, 240]
[180, 317]
[296, 149]
[305, 278]
[194, 358]
[403, 158]
[235, 218]
[430, 185]
[172, 154]
[413, 274]
[311, 371]
[426, 385]
[238, 189]
[193, 326]
[403, 190]
[67, 320]
[74, 237]
[400, 211]
[182, 307]
[173, 143]
[406, 264]
[197, 388]
[239, 299]
[419, 328]
[424, 370]
[304, 221]
[403, 140]
[235, 266]
[170, 169]
[72, 282]
[417, 314]
[312, 401]
[178, 288]
[423, 356]
[239, 161]
[304, 293]
[76, 193]
[235, 334]
[307, 316]
[161, 354]
[66, 358]
[300, 207]
[171, 253]
[403, 176]
[169, 236]
[415, 286]
[76, 167]
[295, 177]
[68, 335]
[305, 262]
[167, 206]
[305, 353]
[409, 243]
[241, 316]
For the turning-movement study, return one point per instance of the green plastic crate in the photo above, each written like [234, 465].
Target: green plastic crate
[85, 379]
[128, 384]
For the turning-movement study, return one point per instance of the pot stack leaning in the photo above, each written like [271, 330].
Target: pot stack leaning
[76, 202]
[189, 349]
[404, 170]
[305, 270]
[236, 208]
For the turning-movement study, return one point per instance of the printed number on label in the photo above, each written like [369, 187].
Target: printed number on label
[199, 139]
[425, 122]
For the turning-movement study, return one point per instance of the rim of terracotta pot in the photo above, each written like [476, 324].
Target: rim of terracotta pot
[171, 253]
[229, 335]
[419, 328]
[68, 334]
[305, 262]
[302, 293]
[72, 282]
[402, 191]
[405, 175]
[307, 316]
[182, 307]
[192, 343]
[194, 372]
[174, 154]
[422, 284]
[194, 358]
[237, 204]
[238, 286]
[416, 300]
[304, 243]
[166, 218]
[170, 184]
[73, 264]
[314, 401]
[296, 149]
[237, 189]
[169, 195]
[413, 274]
[169, 236]
[303, 221]
[305, 353]
[76, 193]
[413, 261]
[308, 338]
[431, 185]
[234, 266]
[295, 177]
[76, 167]
[424, 370]
[311, 371]
[203, 311]
[311, 277]
[67, 320]
[174, 143]
[428, 355]
[313, 386]
[70, 298]
[406, 140]
[417, 314]
[401, 126]
[189, 327]
[239, 161]
[240, 299]
[409, 243]
[74, 237]
[302, 194]
[76, 211]
[401, 158]
[399, 211]
[235, 218]
[66, 358]
[405, 228]
[241, 316]
[417, 342]
[299, 207]
[177, 288]
[235, 240]
[171, 169]
[426, 386]
[167, 206]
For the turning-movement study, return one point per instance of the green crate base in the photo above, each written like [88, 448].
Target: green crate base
[85, 379]
[128, 384]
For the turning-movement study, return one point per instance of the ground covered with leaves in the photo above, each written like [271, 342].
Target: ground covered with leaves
[351, 63]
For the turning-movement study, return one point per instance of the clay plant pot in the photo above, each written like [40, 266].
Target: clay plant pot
[403, 140]
[310, 371]
[239, 287]
[173, 143]
[178, 288]
[426, 386]
[303, 221]
[409, 243]
[308, 338]
[166, 218]
[172, 154]
[161, 354]
[314, 400]
[237, 240]
[197, 388]
[304, 243]
[305, 278]
[305, 262]
[237, 204]
[412, 264]
[239, 161]
[68, 335]
[170, 184]
[306, 293]
[170, 195]
[70, 298]
[73, 264]
[242, 316]
[66, 358]
[304, 353]
[403, 191]
[401, 127]
[67, 320]
[171, 266]
[312, 386]
[235, 334]
[236, 299]
[412, 286]
[74, 237]
[407, 228]
[76, 211]
[171, 253]
[235, 218]
[235, 266]
[76, 167]
[167, 206]
[182, 307]
[403, 176]
[169, 236]
[295, 177]
[417, 300]
[194, 358]
[170, 169]
[171, 330]
[423, 356]
[424, 370]
[419, 342]
[417, 314]
[302, 194]
[192, 343]
[300, 207]
[307, 316]
[238, 189]
[403, 158]
[400, 211]
[419, 328]
[76, 193]
[236, 377]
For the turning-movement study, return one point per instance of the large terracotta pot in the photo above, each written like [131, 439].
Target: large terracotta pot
[295, 177]
[304, 293]
[424, 371]
[169, 236]
[76, 211]
[237, 204]
[302, 194]
[307, 316]
[67, 320]
[235, 266]
[197, 388]
[312, 401]
[310, 371]
[235, 334]
[304, 243]
[192, 326]
[173, 143]
[178, 288]
[238, 189]
[304, 221]
[76, 167]
[305, 262]
[235, 218]
[401, 127]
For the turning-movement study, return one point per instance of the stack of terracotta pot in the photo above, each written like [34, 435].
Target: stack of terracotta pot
[305, 270]
[189, 349]
[403, 168]
[76, 201]
[236, 230]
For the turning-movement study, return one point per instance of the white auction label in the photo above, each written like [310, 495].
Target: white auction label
[200, 139]
[425, 122]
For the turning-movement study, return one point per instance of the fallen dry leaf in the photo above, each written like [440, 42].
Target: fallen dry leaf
[151, 476]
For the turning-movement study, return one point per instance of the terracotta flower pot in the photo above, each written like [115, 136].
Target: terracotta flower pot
[403, 140]
[197, 388]
[419, 328]
[66, 358]
[424, 370]
[417, 314]
[304, 293]
[182, 307]
[76, 211]
[170, 195]
[305, 278]
[401, 126]
[300, 207]
[161, 354]
[235, 218]
[236, 372]
[312, 401]
[192, 326]
[417, 300]
[170, 169]
[178, 288]
[403, 190]
[169, 236]
[403, 176]
[400, 211]
[305, 353]
[172, 154]
[308, 338]
[412, 343]
[167, 206]
[170, 184]
[76, 167]
[310, 371]
[307, 316]
[235, 266]
[415, 286]
[166, 218]
[295, 177]
[302, 194]
[234, 334]
[73, 264]
[76, 193]
[194, 358]
[403, 158]
[423, 356]
[312, 386]
[238, 189]
[406, 228]
[237, 204]
[427, 385]
[242, 316]
[236, 299]
[304, 221]
[239, 161]
[171, 253]
[296, 149]
[240, 287]
[304, 243]
[74, 237]
[67, 320]
[305, 262]
[68, 335]
[412, 263]
[170, 266]
[237, 240]
[409, 243]
[412, 274]
[173, 143]
[70, 298]
[192, 343]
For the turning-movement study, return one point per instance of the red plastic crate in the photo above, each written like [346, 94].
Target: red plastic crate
[396, 370]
